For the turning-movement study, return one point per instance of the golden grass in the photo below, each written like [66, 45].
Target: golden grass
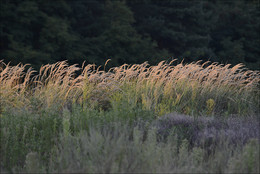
[60, 82]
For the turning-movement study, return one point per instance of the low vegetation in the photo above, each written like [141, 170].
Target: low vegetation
[197, 117]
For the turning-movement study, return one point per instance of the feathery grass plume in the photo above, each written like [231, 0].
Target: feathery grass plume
[172, 86]
[56, 83]
[14, 84]
[162, 88]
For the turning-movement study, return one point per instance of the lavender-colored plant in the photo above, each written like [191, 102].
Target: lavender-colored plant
[209, 130]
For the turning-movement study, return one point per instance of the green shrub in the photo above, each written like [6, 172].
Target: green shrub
[23, 132]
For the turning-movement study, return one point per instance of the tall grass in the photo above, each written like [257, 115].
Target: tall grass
[70, 118]
[195, 88]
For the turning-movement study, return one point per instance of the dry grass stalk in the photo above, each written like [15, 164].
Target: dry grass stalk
[58, 82]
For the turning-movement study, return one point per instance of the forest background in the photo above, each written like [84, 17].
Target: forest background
[129, 31]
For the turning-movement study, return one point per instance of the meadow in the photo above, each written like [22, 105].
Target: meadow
[168, 118]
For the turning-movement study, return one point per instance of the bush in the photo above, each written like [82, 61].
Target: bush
[209, 130]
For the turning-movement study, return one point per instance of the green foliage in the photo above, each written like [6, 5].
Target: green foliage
[118, 39]
[120, 148]
[24, 131]
[122, 139]
[32, 31]
[33, 164]
[231, 21]
[248, 160]
[129, 31]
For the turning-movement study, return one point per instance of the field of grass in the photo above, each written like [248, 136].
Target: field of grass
[168, 118]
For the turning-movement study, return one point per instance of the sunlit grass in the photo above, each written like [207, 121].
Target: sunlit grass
[193, 88]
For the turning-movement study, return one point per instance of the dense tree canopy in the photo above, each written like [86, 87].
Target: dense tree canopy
[129, 31]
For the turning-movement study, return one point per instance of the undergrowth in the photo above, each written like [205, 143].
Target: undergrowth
[101, 142]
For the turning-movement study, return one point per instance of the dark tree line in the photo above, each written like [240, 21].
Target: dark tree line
[130, 31]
